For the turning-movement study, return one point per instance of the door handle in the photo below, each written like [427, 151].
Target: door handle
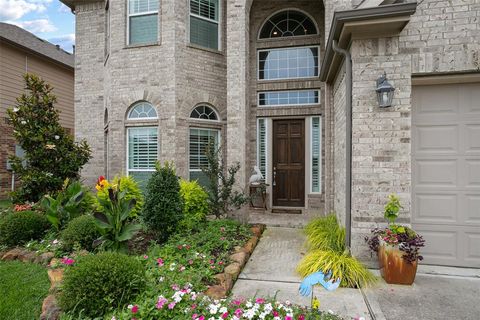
[274, 176]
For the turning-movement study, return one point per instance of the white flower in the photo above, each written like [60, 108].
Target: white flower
[55, 241]
[23, 122]
[223, 310]
[213, 308]
[330, 311]
[113, 318]
[172, 266]
[15, 109]
[161, 279]
[130, 306]
[57, 137]
[249, 304]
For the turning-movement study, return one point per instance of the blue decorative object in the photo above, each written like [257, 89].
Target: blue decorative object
[318, 278]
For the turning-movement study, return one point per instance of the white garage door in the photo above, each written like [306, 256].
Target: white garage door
[446, 172]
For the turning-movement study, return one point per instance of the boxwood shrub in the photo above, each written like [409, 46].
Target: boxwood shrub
[17, 228]
[98, 284]
[81, 231]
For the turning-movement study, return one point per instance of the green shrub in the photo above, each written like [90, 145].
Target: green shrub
[325, 233]
[97, 284]
[51, 153]
[342, 265]
[195, 204]
[80, 231]
[20, 227]
[132, 191]
[163, 208]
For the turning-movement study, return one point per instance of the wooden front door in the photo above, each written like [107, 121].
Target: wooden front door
[289, 163]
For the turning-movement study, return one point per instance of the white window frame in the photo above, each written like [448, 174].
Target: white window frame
[267, 137]
[141, 119]
[219, 142]
[219, 23]
[146, 13]
[288, 48]
[288, 38]
[311, 155]
[127, 162]
[290, 104]
[206, 120]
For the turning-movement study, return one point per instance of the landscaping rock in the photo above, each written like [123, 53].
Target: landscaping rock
[233, 270]
[257, 230]
[12, 254]
[50, 309]
[240, 257]
[44, 258]
[28, 257]
[240, 249]
[55, 276]
[216, 292]
[224, 280]
[251, 244]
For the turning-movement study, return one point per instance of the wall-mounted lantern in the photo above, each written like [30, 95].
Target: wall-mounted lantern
[385, 92]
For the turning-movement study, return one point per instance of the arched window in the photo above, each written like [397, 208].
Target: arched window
[288, 23]
[142, 111]
[204, 112]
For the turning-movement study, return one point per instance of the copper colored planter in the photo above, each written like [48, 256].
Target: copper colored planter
[395, 269]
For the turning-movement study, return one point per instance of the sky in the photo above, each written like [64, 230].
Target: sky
[47, 19]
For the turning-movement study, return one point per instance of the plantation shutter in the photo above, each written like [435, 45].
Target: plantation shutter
[262, 147]
[143, 21]
[316, 154]
[200, 140]
[204, 18]
[142, 152]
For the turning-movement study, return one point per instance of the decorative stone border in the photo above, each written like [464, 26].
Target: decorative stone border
[239, 258]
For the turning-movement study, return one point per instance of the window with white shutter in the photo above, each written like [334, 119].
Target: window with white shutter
[204, 23]
[262, 146]
[142, 21]
[316, 154]
[200, 140]
[142, 152]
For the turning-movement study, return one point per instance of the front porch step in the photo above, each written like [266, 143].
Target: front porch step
[282, 219]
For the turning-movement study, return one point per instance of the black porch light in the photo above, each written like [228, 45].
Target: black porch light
[385, 92]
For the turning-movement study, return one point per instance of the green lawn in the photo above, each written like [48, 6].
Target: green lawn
[4, 204]
[23, 286]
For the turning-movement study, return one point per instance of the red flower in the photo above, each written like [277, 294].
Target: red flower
[134, 309]
[100, 179]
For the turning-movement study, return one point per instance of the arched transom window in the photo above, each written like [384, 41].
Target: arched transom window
[142, 111]
[288, 23]
[204, 112]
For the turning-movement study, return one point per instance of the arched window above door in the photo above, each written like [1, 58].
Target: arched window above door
[288, 23]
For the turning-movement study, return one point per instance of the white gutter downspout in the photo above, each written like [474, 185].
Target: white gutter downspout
[348, 142]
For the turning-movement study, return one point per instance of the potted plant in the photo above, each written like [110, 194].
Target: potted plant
[397, 247]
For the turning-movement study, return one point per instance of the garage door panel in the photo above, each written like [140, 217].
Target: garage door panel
[446, 172]
[440, 173]
[432, 139]
[435, 208]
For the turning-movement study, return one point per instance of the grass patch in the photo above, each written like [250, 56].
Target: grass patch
[5, 204]
[23, 286]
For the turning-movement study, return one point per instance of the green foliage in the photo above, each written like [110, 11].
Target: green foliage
[325, 233]
[163, 208]
[72, 201]
[342, 265]
[222, 197]
[132, 191]
[99, 283]
[392, 208]
[115, 223]
[195, 204]
[17, 228]
[51, 155]
[80, 232]
[23, 286]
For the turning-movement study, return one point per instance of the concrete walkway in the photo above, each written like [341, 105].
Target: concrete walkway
[438, 292]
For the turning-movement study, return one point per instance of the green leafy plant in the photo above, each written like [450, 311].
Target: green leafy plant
[195, 204]
[132, 190]
[342, 265]
[325, 233]
[392, 208]
[163, 208]
[72, 201]
[17, 228]
[115, 223]
[222, 197]
[51, 155]
[80, 232]
[96, 284]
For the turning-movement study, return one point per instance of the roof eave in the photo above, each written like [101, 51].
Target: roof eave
[368, 23]
[72, 3]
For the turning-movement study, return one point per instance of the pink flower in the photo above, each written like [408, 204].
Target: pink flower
[288, 318]
[67, 261]
[238, 313]
[222, 229]
[225, 315]
[275, 313]
[161, 302]
[134, 309]
[194, 316]
[160, 262]
[179, 247]
[190, 261]
[194, 306]
[175, 287]
[171, 305]
[201, 318]
[182, 268]
[301, 317]
[260, 301]
[212, 267]
[212, 261]
[222, 238]
[220, 262]
[236, 302]
[145, 257]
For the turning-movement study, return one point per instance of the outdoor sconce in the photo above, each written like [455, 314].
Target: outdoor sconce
[385, 92]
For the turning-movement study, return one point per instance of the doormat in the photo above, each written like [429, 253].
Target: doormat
[287, 211]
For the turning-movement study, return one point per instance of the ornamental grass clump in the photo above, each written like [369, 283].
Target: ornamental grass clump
[327, 252]
[97, 284]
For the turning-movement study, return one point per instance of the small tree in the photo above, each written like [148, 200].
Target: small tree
[51, 155]
[163, 208]
[222, 197]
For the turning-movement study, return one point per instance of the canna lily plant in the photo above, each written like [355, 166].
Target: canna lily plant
[114, 223]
